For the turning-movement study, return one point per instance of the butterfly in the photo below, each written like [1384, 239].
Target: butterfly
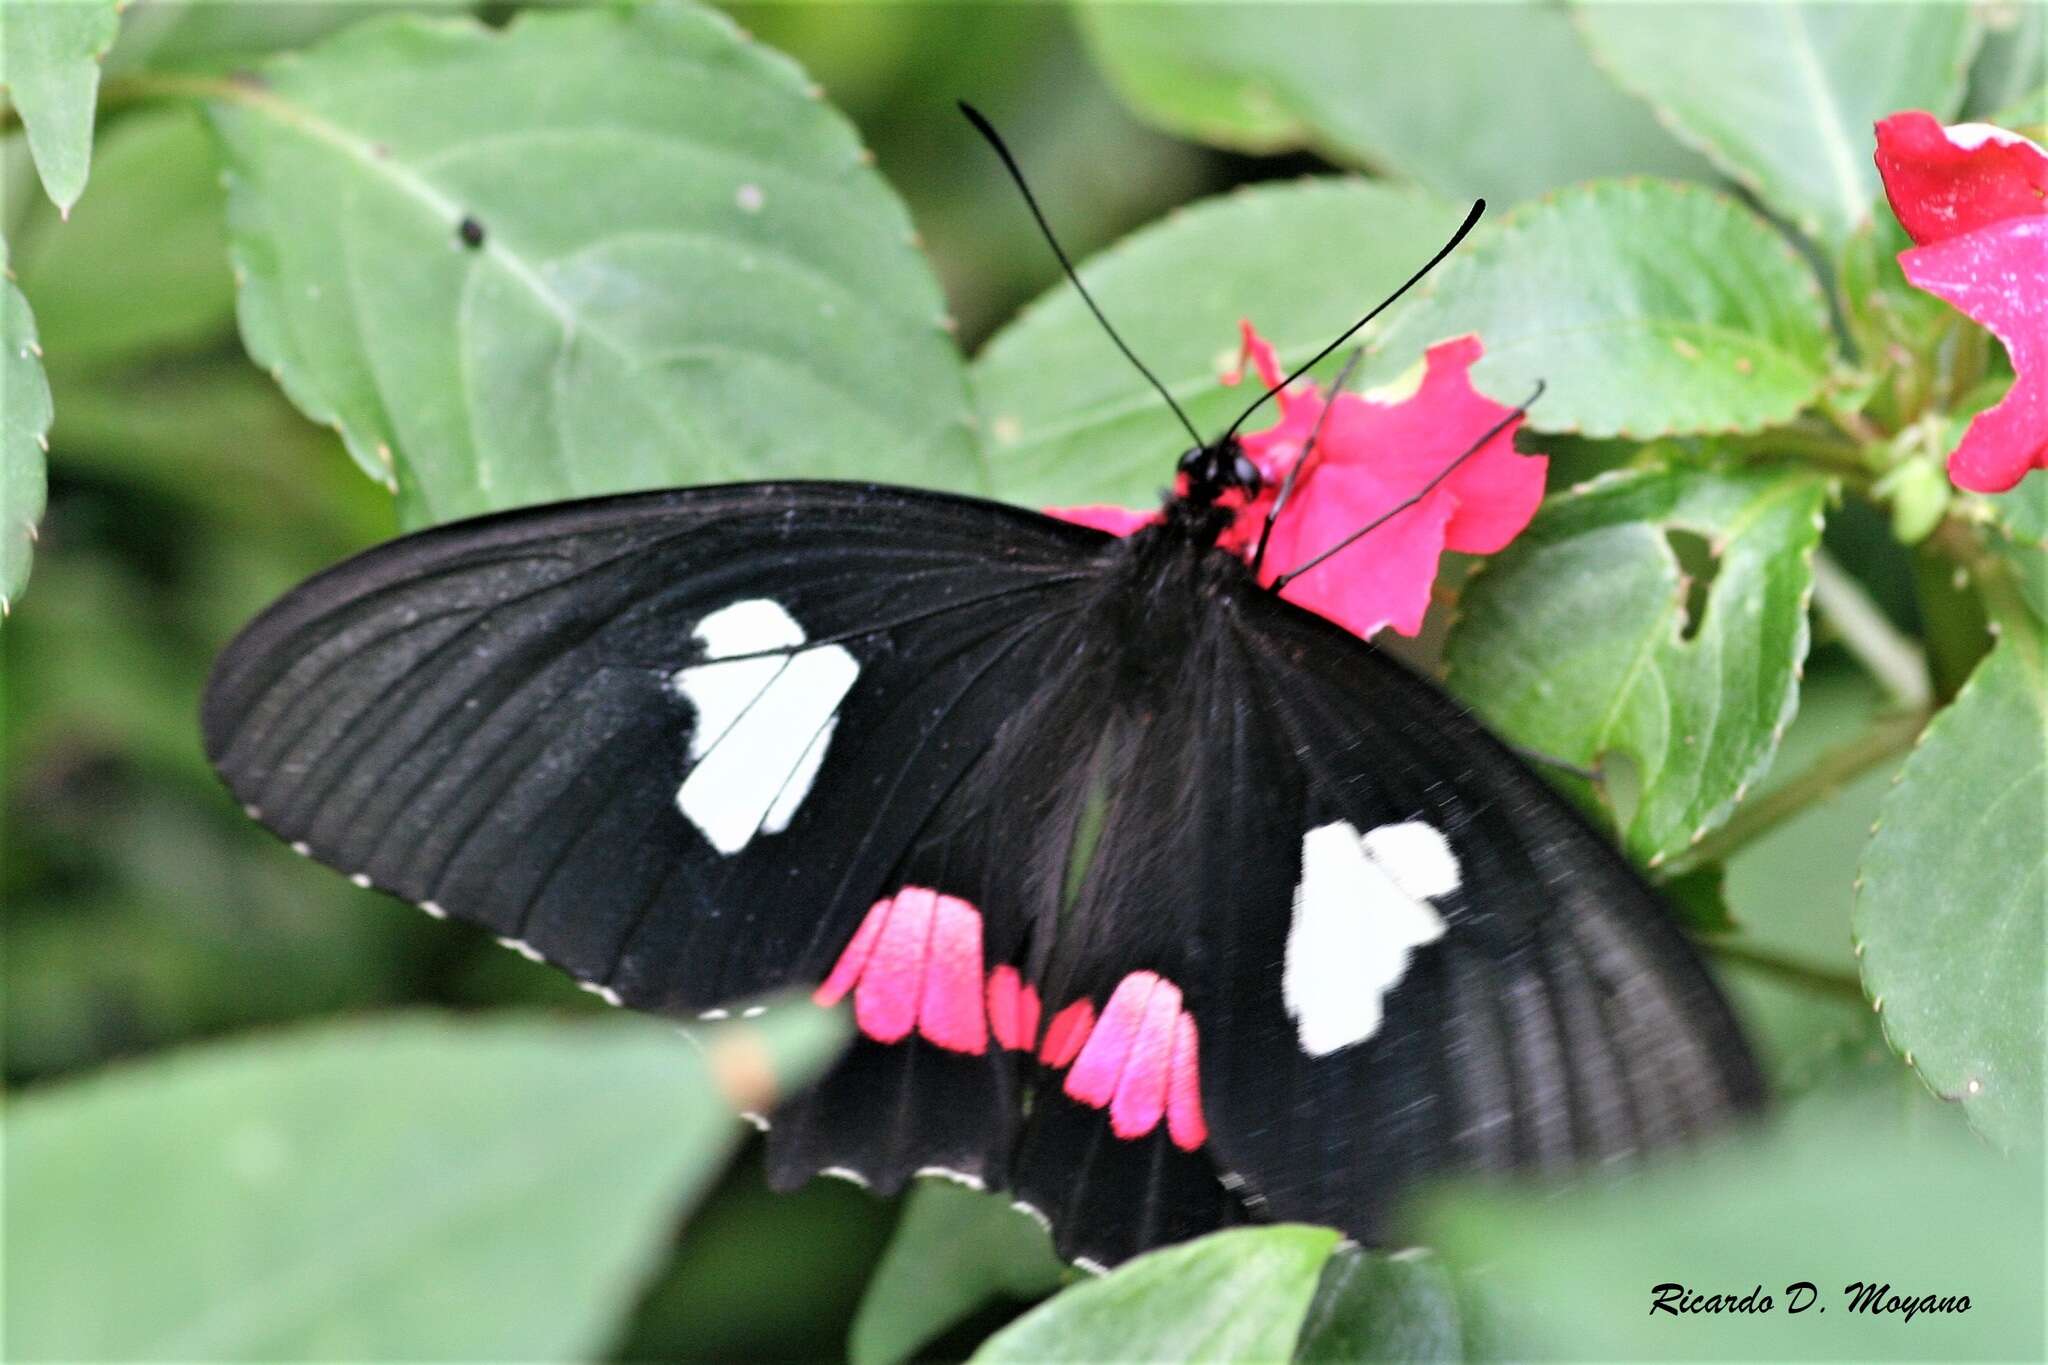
[1160, 902]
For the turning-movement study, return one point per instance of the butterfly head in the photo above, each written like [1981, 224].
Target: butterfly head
[1212, 470]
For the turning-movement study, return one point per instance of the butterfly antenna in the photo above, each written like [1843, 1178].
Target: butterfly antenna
[1383, 518]
[982, 126]
[1307, 452]
[1471, 221]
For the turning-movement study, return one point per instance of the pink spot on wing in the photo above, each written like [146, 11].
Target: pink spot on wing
[951, 1011]
[914, 964]
[885, 1002]
[1066, 1033]
[1140, 1063]
[1184, 1121]
[854, 960]
[1140, 1099]
[1012, 1009]
[1096, 1071]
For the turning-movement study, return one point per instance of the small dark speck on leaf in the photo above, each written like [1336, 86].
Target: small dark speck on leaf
[471, 232]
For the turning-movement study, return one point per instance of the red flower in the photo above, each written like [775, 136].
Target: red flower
[1975, 198]
[1370, 457]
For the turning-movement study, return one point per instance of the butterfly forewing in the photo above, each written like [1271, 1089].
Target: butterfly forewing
[507, 720]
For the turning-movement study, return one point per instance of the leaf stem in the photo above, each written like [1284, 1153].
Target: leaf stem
[1897, 661]
[1797, 973]
[1888, 737]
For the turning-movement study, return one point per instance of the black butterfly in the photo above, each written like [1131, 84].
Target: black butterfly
[1161, 901]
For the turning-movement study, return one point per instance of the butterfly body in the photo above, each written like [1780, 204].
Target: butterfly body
[1157, 900]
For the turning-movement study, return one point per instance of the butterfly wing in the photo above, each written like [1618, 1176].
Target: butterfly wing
[673, 742]
[1446, 969]
[1333, 938]
[1099, 849]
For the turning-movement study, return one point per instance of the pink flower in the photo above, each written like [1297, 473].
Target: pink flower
[1975, 199]
[1369, 458]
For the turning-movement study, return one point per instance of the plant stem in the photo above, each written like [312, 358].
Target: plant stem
[1798, 973]
[1897, 662]
[1888, 737]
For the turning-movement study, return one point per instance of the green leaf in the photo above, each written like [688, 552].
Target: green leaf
[1068, 420]
[685, 273]
[1789, 891]
[1236, 1295]
[1950, 917]
[954, 1250]
[1403, 1307]
[1701, 900]
[50, 64]
[411, 1187]
[1782, 96]
[1592, 636]
[142, 264]
[1419, 91]
[2023, 512]
[1838, 1191]
[1648, 308]
[1887, 317]
[2020, 537]
[197, 35]
[24, 436]
[2011, 65]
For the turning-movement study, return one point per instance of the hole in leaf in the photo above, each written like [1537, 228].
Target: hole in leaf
[1621, 787]
[1697, 566]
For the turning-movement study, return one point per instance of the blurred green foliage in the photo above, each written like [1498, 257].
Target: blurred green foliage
[186, 489]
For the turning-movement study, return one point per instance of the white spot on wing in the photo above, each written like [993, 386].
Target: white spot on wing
[1416, 856]
[1360, 911]
[763, 723]
[602, 992]
[435, 910]
[972, 1182]
[846, 1173]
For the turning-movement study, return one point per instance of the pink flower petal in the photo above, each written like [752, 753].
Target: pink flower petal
[1368, 458]
[1382, 579]
[1944, 182]
[1998, 276]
